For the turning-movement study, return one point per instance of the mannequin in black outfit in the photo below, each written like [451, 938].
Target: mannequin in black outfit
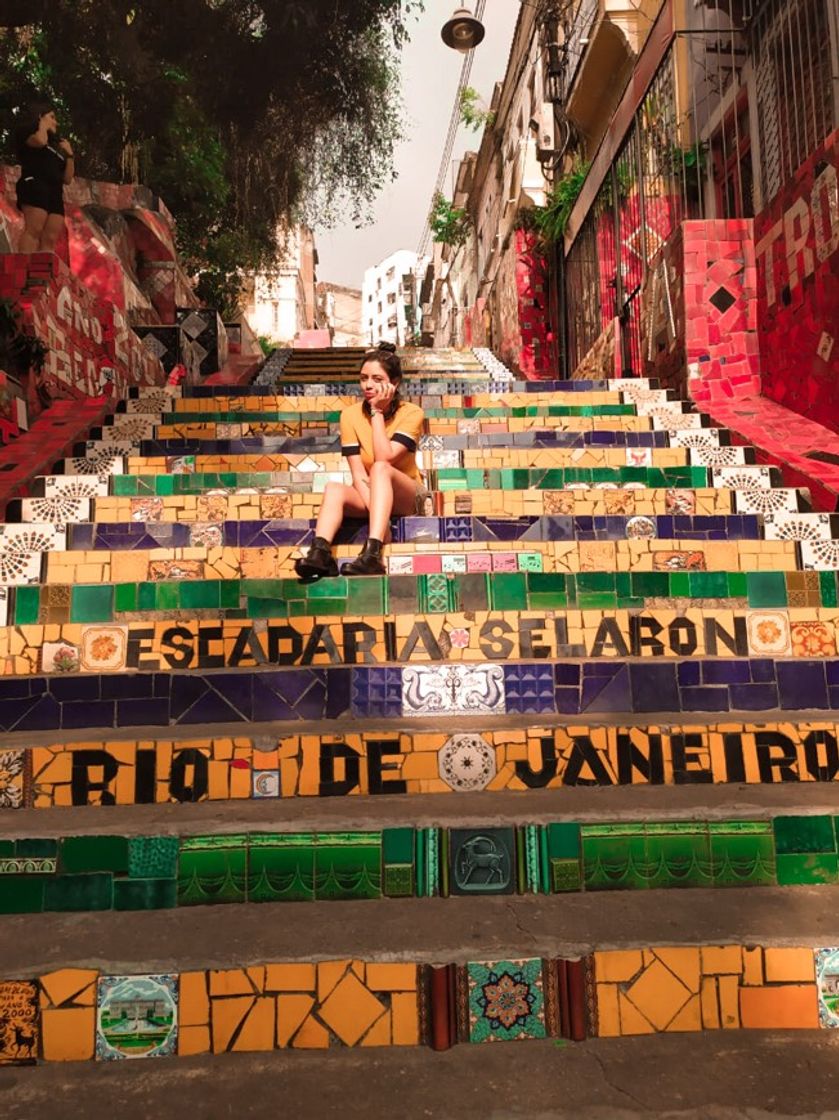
[47, 165]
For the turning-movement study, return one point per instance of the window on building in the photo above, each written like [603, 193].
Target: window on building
[794, 77]
[380, 307]
[370, 298]
[392, 321]
[391, 273]
[391, 297]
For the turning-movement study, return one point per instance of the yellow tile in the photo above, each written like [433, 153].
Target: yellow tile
[683, 963]
[227, 1014]
[608, 1016]
[69, 985]
[659, 995]
[722, 959]
[789, 965]
[631, 1020]
[380, 1033]
[193, 1040]
[710, 1005]
[229, 982]
[329, 973]
[312, 1035]
[350, 1010]
[787, 1006]
[616, 965]
[404, 1013]
[68, 1035]
[193, 1002]
[291, 1011]
[290, 978]
[689, 1018]
[729, 989]
[258, 1030]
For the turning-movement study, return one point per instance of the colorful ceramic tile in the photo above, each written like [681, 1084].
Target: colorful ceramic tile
[827, 980]
[466, 762]
[453, 688]
[482, 861]
[18, 1022]
[506, 1001]
[136, 1016]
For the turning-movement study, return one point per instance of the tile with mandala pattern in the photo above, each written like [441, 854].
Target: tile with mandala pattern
[820, 556]
[798, 527]
[76, 486]
[769, 633]
[742, 478]
[767, 502]
[506, 1000]
[813, 639]
[59, 510]
[718, 456]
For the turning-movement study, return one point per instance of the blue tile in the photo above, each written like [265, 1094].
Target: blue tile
[763, 670]
[567, 673]
[688, 672]
[754, 697]
[726, 671]
[801, 684]
[705, 699]
[654, 688]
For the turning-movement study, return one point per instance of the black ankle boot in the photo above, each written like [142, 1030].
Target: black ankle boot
[318, 561]
[367, 563]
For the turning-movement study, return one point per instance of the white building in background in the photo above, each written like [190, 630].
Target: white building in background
[280, 304]
[339, 312]
[389, 311]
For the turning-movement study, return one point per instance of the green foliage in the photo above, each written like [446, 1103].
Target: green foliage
[20, 351]
[245, 117]
[471, 112]
[265, 345]
[449, 224]
[552, 220]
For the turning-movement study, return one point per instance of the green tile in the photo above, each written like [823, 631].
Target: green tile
[229, 591]
[348, 866]
[738, 585]
[93, 891]
[125, 596]
[651, 585]
[124, 485]
[678, 855]
[564, 840]
[145, 894]
[281, 867]
[212, 869]
[168, 596]
[365, 596]
[509, 591]
[153, 857]
[7, 849]
[795, 870]
[92, 604]
[804, 834]
[614, 860]
[767, 589]
[333, 588]
[709, 585]
[147, 596]
[93, 853]
[743, 857]
[827, 585]
[398, 845]
[36, 847]
[199, 594]
[680, 584]
[22, 894]
[27, 604]
[566, 875]
[398, 880]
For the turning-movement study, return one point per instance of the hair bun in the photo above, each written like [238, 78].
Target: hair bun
[386, 347]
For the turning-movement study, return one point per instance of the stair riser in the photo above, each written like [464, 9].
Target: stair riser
[164, 769]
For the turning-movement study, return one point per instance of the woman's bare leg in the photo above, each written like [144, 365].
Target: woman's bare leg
[51, 234]
[339, 501]
[391, 492]
[34, 220]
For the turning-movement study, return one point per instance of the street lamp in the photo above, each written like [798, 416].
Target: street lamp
[463, 31]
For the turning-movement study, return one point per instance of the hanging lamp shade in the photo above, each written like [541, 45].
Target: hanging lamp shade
[462, 32]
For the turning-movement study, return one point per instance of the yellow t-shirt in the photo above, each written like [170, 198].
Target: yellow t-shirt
[405, 427]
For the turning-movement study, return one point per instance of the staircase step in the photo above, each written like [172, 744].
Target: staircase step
[205, 557]
[528, 765]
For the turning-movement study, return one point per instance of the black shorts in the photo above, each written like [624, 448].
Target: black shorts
[40, 193]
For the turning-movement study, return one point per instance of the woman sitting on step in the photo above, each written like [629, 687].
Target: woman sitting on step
[379, 437]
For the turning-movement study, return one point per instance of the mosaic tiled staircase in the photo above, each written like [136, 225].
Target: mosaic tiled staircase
[602, 592]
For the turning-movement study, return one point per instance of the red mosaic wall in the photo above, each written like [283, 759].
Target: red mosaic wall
[798, 260]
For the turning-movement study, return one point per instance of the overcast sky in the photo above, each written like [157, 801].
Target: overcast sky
[430, 72]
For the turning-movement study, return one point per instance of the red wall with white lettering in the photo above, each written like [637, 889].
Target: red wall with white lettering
[797, 240]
